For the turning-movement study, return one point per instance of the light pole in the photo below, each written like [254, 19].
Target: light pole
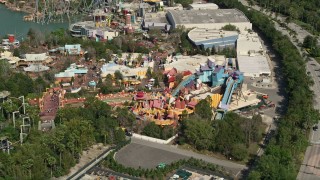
[22, 134]
[14, 118]
[23, 104]
[23, 121]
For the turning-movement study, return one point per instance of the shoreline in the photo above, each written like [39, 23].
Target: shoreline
[25, 9]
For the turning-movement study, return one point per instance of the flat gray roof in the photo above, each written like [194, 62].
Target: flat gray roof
[159, 17]
[253, 65]
[203, 6]
[202, 34]
[207, 16]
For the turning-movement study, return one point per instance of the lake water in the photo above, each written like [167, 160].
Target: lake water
[11, 22]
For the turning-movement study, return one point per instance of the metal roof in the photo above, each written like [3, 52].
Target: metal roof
[207, 16]
[253, 65]
[36, 57]
[204, 34]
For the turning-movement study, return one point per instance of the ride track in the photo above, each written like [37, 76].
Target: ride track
[47, 11]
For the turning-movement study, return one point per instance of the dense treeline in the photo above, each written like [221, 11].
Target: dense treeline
[156, 131]
[303, 10]
[282, 157]
[231, 137]
[19, 83]
[310, 44]
[44, 155]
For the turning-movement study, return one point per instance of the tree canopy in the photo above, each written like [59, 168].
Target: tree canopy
[231, 136]
[203, 109]
[44, 155]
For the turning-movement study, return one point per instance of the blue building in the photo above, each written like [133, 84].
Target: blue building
[206, 72]
[212, 73]
[212, 38]
[219, 75]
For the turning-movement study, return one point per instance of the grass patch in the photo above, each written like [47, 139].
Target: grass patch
[209, 153]
[306, 26]
[317, 59]
[253, 148]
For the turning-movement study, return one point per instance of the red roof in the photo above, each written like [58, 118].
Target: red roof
[183, 105]
[186, 73]
[157, 104]
[178, 104]
[172, 72]
[171, 79]
[140, 94]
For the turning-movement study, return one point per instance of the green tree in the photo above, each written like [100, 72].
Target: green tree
[208, 51]
[199, 133]
[239, 152]
[149, 73]
[118, 75]
[203, 109]
[51, 162]
[185, 45]
[156, 82]
[119, 136]
[184, 3]
[125, 117]
[152, 130]
[229, 27]
[254, 175]
[309, 42]
[28, 165]
[16, 52]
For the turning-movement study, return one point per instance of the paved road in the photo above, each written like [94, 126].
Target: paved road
[310, 167]
[90, 165]
[134, 154]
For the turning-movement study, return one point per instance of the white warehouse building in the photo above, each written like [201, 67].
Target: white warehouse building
[202, 6]
[251, 57]
[208, 18]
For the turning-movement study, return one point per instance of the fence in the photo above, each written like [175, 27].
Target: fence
[159, 141]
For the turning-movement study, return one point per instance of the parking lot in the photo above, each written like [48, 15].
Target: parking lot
[137, 155]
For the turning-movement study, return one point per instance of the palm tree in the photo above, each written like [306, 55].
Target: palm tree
[27, 165]
[9, 107]
[51, 162]
[33, 113]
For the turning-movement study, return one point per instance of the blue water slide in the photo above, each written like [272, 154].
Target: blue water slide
[231, 85]
[183, 84]
[228, 92]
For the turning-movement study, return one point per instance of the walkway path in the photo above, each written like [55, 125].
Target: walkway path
[50, 106]
[87, 160]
